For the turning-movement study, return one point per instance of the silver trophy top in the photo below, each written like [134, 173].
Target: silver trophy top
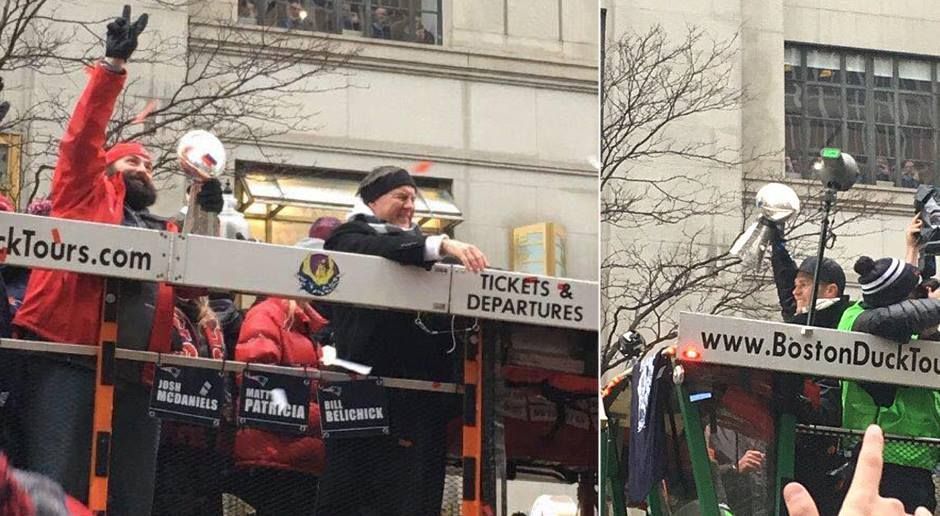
[777, 202]
[202, 154]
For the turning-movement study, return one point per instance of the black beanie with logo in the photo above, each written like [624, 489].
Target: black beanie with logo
[885, 281]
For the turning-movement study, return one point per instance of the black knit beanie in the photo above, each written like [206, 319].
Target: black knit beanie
[885, 281]
[383, 180]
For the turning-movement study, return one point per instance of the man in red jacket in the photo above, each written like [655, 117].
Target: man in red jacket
[112, 187]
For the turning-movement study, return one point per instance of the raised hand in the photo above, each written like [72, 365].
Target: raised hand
[912, 241]
[863, 498]
[122, 35]
[752, 460]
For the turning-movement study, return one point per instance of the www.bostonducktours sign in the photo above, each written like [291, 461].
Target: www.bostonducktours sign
[811, 351]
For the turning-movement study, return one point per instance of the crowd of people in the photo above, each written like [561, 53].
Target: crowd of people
[911, 174]
[319, 16]
[173, 468]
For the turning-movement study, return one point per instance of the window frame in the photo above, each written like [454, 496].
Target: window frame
[415, 8]
[801, 118]
[14, 143]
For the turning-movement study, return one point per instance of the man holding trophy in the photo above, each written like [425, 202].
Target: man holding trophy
[778, 203]
[815, 455]
[886, 310]
[111, 186]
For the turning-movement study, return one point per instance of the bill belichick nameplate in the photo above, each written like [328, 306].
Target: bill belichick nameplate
[355, 408]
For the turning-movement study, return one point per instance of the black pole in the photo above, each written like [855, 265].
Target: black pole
[829, 200]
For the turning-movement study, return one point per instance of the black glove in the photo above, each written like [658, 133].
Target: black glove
[210, 196]
[776, 231]
[881, 393]
[122, 35]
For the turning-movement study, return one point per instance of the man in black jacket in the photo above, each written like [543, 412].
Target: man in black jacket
[403, 473]
[815, 455]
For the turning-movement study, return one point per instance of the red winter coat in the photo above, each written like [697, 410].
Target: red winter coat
[65, 306]
[268, 337]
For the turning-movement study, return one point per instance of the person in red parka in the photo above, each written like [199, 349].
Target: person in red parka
[278, 331]
[113, 187]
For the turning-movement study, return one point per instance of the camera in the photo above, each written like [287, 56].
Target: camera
[927, 205]
[631, 344]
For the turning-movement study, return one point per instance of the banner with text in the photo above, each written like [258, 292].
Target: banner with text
[274, 402]
[523, 298]
[353, 409]
[810, 351]
[187, 394]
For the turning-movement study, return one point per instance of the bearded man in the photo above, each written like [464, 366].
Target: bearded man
[113, 186]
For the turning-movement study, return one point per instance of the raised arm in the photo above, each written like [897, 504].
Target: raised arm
[784, 269]
[911, 236]
[81, 152]
[81, 159]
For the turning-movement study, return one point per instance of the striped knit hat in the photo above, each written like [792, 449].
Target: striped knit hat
[885, 281]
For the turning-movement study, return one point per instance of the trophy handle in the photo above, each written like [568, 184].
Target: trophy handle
[752, 244]
[199, 221]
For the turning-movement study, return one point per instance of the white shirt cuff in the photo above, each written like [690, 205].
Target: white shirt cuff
[432, 248]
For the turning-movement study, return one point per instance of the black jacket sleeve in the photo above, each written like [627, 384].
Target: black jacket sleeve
[358, 237]
[900, 320]
[784, 275]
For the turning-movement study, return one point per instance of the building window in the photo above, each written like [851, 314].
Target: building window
[10, 149]
[415, 21]
[880, 108]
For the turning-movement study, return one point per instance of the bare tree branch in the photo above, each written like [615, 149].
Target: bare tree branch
[243, 83]
[651, 85]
